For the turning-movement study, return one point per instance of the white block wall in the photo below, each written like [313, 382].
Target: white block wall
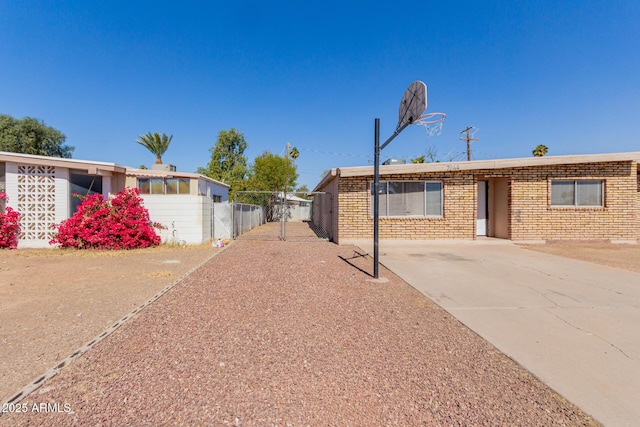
[186, 217]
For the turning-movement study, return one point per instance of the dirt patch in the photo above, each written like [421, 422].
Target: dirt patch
[624, 256]
[54, 301]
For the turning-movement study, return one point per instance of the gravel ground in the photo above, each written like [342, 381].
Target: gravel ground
[283, 333]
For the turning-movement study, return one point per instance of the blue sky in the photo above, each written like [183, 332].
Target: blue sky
[316, 74]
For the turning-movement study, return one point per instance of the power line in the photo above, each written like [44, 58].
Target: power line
[333, 153]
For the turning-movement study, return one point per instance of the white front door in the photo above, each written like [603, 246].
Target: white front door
[481, 226]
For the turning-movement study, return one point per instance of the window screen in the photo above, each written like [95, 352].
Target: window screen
[409, 198]
[434, 198]
[562, 193]
[589, 193]
[577, 193]
[184, 186]
[172, 186]
[164, 186]
[405, 198]
[144, 186]
[157, 186]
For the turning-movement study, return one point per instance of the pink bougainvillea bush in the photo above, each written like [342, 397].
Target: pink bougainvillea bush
[119, 223]
[9, 226]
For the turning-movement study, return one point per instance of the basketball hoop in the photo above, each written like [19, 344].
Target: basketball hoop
[432, 122]
[412, 105]
[412, 110]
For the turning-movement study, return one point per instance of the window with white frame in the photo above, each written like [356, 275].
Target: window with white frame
[409, 198]
[582, 192]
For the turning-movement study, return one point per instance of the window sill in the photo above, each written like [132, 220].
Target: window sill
[407, 218]
[576, 208]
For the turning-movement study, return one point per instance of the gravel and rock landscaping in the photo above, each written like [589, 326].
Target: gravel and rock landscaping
[284, 333]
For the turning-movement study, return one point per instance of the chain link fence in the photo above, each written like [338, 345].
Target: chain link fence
[265, 215]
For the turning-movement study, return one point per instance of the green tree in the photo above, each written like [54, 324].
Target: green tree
[228, 162]
[540, 150]
[156, 143]
[32, 136]
[271, 172]
[419, 159]
[294, 153]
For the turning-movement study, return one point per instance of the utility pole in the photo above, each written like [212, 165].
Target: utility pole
[468, 139]
[283, 229]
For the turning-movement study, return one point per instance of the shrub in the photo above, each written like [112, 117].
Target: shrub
[119, 223]
[9, 226]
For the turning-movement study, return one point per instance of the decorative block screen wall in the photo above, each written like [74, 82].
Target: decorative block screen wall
[36, 201]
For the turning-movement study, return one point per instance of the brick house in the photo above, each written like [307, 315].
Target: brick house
[528, 199]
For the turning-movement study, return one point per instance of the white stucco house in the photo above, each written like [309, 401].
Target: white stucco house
[41, 188]
[181, 201]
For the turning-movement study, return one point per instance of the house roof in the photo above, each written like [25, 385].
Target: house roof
[293, 198]
[98, 168]
[150, 173]
[92, 167]
[477, 165]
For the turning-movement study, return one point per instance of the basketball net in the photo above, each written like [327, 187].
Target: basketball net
[432, 122]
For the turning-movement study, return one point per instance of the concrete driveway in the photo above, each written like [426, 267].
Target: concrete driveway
[573, 324]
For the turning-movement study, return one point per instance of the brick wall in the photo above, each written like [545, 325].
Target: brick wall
[638, 200]
[530, 213]
[533, 217]
[458, 222]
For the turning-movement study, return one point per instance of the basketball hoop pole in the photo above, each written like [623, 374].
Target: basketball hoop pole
[376, 195]
[412, 107]
[376, 184]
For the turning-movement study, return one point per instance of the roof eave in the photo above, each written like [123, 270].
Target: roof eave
[490, 164]
[328, 177]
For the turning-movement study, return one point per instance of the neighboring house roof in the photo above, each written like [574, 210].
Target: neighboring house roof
[477, 165]
[98, 168]
[293, 198]
[91, 167]
[150, 173]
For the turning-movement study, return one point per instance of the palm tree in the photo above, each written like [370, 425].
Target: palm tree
[155, 143]
[540, 150]
[294, 153]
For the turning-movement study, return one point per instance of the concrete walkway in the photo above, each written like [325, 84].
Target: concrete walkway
[573, 324]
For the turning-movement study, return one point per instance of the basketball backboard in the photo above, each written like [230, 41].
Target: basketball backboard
[413, 104]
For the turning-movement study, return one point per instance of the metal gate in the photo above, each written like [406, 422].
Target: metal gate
[266, 215]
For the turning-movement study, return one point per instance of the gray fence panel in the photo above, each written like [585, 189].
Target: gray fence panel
[222, 220]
